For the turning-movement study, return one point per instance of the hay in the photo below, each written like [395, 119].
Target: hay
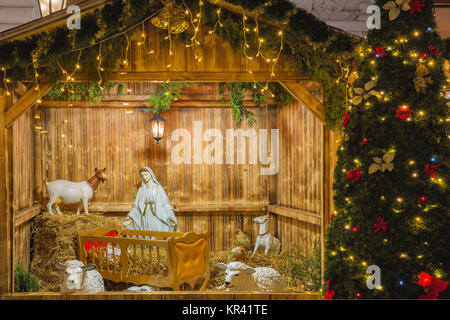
[55, 240]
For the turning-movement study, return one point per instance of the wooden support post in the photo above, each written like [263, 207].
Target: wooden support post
[5, 217]
[10, 199]
[328, 165]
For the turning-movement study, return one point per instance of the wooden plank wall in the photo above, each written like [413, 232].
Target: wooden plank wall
[23, 183]
[121, 142]
[216, 53]
[300, 174]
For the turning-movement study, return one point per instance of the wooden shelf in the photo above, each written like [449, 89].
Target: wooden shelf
[306, 216]
[222, 208]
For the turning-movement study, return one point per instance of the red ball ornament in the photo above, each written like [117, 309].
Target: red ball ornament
[358, 295]
[355, 229]
[423, 199]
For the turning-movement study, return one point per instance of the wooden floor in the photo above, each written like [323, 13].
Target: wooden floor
[169, 295]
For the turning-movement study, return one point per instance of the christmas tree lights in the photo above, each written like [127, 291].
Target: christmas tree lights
[400, 204]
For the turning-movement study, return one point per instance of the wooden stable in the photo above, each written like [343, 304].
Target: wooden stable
[206, 197]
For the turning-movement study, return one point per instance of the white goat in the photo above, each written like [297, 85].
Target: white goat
[78, 277]
[74, 192]
[242, 277]
[264, 239]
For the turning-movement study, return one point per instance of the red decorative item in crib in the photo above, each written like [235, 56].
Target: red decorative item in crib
[88, 246]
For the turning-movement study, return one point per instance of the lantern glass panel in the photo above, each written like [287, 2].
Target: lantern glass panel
[158, 129]
[51, 6]
[45, 7]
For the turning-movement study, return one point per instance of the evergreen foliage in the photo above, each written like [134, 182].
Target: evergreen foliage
[310, 45]
[305, 265]
[398, 216]
[24, 281]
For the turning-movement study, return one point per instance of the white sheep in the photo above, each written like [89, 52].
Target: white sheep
[264, 239]
[242, 277]
[78, 277]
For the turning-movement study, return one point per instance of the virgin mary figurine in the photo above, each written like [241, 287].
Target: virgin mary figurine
[151, 210]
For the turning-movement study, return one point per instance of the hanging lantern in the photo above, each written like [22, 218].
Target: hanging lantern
[157, 123]
[171, 17]
[50, 6]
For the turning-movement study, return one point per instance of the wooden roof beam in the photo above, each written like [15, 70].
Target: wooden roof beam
[54, 20]
[25, 102]
[302, 94]
[201, 76]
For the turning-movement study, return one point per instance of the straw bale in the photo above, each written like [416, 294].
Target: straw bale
[54, 239]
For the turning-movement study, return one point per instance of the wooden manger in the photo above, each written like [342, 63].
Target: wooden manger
[161, 259]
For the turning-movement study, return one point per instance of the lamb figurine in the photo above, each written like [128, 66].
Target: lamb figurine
[242, 277]
[265, 240]
[80, 277]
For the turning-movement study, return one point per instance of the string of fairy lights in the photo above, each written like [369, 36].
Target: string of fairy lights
[195, 20]
[428, 173]
[259, 53]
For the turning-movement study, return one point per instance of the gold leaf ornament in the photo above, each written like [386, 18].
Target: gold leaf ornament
[382, 164]
[171, 17]
[447, 69]
[365, 93]
[422, 79]
[396, 7]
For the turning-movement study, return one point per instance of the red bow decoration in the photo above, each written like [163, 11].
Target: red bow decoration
[355, 174]
[433, 50]
[346, 119]
[88, 246]
[403, 112]
[381, 224]
[429, 169]
[332, 216]
[379, 52]
[329, 294]
[416, 6]
[432, 286]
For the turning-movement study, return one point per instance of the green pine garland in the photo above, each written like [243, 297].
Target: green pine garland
[310, 45]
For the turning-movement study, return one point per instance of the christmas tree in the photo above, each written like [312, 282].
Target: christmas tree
[391, 179]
